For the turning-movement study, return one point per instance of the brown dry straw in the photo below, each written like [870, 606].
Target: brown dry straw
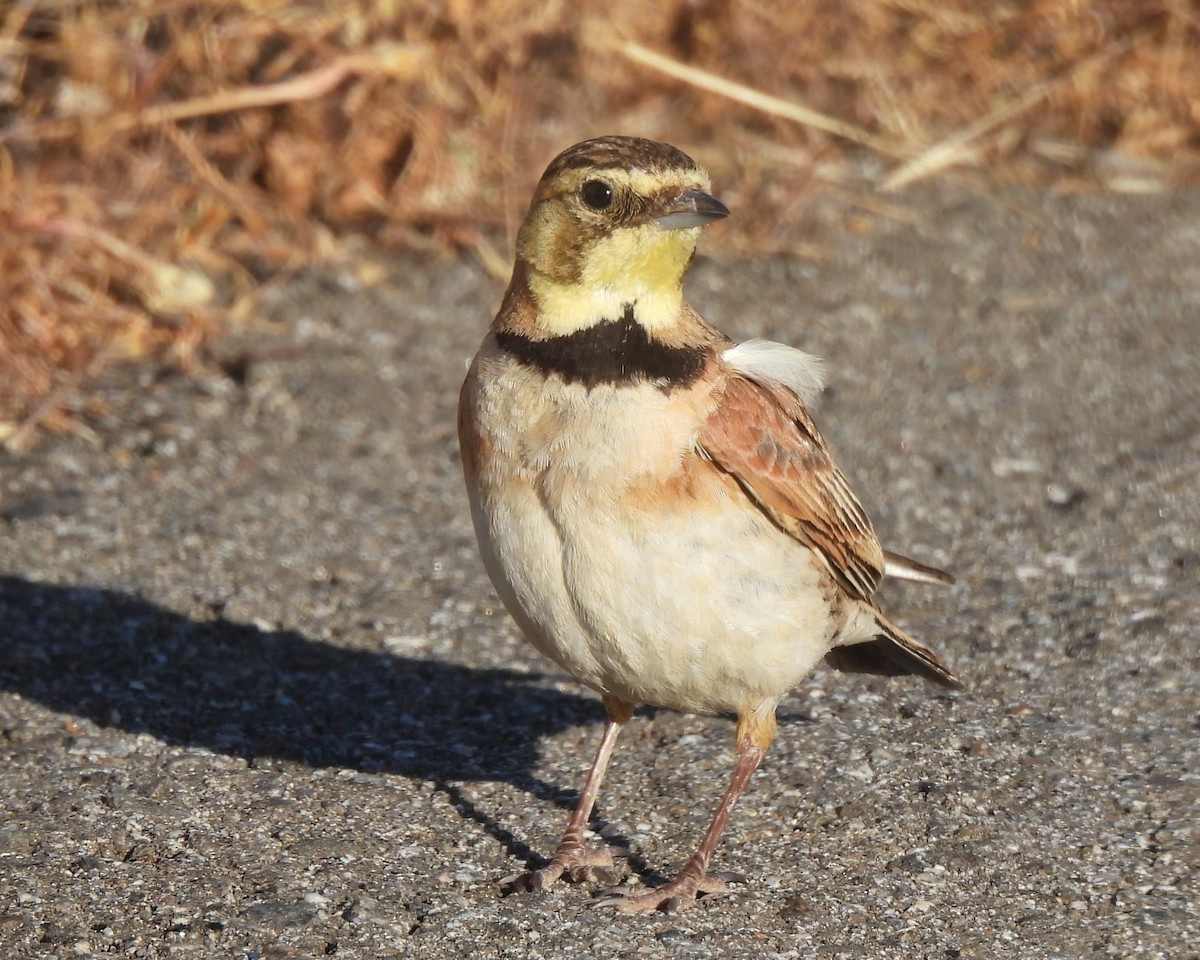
[158, 160]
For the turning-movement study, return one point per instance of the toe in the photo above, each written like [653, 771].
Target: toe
[672, 897]
[532, 879]
[661, 898]
[578, 865]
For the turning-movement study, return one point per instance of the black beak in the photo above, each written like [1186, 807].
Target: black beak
[692, 208]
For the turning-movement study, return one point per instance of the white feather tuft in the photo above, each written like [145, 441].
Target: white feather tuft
[800, 372]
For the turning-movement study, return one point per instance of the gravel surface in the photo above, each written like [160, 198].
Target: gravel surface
[258, 700]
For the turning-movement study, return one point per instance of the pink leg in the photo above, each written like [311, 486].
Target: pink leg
[755, 732]
[572, 856]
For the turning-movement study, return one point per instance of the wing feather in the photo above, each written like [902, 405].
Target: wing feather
[766, 360]
[761, 434]
[906, 568]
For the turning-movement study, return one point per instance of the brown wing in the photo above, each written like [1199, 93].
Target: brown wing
[762, 436]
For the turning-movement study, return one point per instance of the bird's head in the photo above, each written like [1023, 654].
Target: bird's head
[613, 227]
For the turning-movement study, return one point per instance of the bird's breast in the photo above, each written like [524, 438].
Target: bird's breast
[596, 439]
[627, 557]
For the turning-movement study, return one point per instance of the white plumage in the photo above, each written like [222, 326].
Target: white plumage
[800, 372]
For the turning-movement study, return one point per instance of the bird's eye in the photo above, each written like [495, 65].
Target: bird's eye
[597, 194]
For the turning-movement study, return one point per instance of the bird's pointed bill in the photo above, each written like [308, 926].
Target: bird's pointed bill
[692, 208]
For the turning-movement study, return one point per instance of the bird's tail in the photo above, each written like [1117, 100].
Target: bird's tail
[892, 653]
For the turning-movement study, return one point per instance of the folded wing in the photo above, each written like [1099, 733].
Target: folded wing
[761, 435]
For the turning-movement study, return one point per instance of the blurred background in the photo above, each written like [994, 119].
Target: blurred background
[164, 161]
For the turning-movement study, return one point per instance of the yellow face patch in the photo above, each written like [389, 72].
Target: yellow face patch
[642, 266]
[587, 265]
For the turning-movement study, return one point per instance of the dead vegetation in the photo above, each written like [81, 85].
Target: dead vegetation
[159, 158]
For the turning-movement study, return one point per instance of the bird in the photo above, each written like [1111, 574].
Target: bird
[652, 500]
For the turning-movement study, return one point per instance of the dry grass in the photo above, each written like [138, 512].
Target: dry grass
[158, 158]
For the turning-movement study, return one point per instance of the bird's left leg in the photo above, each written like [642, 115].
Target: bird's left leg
[755, 731]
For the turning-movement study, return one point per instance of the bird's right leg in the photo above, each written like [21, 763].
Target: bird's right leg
[573, 856]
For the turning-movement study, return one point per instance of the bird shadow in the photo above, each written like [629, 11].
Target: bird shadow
[261, 695]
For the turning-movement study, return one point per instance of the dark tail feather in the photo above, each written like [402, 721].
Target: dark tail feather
[891, 654]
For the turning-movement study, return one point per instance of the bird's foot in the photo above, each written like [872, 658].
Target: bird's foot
[577, 861]
[689, 886]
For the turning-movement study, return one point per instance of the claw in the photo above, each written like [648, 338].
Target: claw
[616, 891]
[615, 900]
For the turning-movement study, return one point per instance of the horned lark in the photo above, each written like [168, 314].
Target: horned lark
[653, 502]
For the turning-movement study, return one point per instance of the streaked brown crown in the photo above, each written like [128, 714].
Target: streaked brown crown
[604, 153]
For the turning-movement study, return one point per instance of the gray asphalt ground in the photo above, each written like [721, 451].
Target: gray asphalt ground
[258, 700]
